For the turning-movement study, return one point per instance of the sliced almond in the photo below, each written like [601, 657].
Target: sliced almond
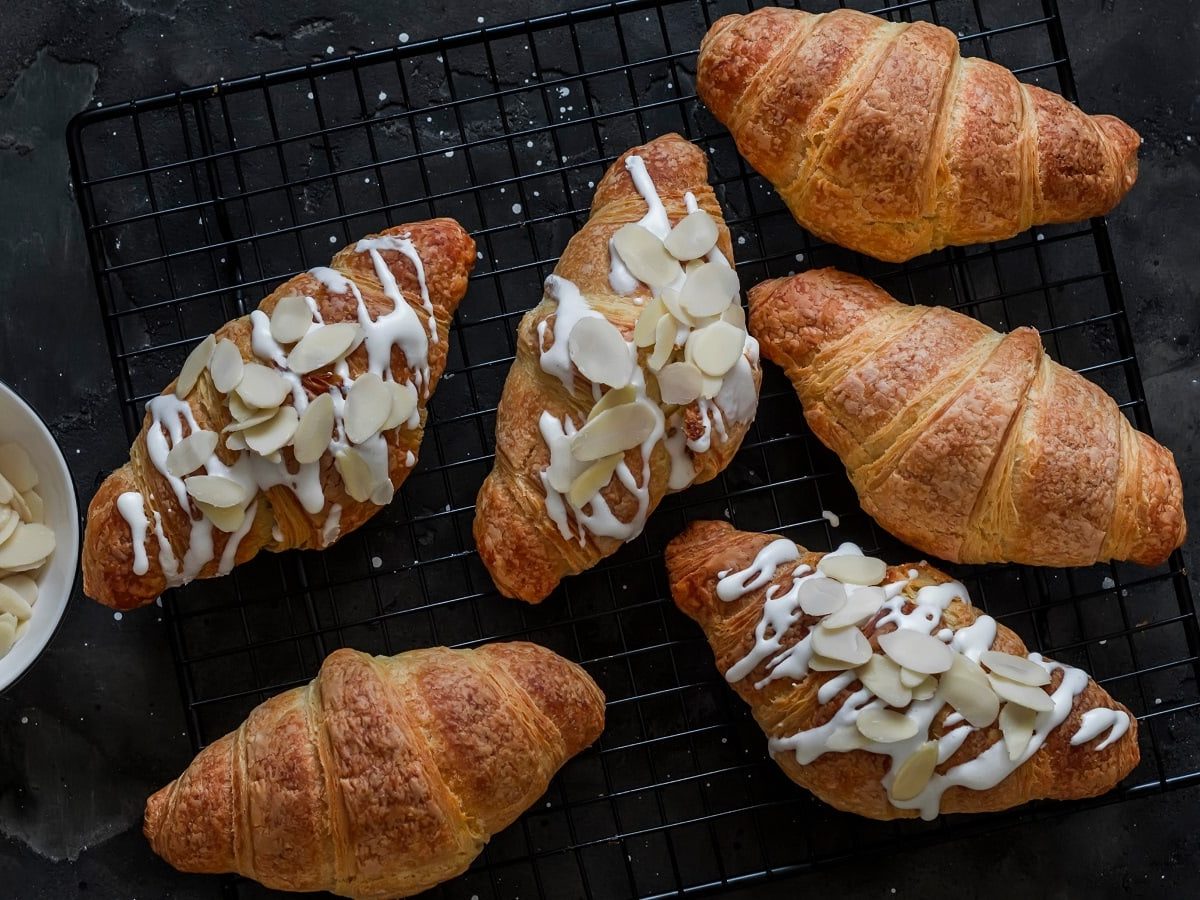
[614, 431]
[612, 398]
[917, 652]
[820, 596]
[7, 491]
[715, 348]
[25, 587]
[853, 569]
[314, 430]
[846, 644]
[235, 442]
[368, 406]
[845, 739]
[27, 547]
[592, 480]
[256, 418]
[967, 689]
[670, 299]
[643, 331]
[356, 474]
[600, 353]
[664, 343]
[290, 320]
[20, 507]
[885, 726]
[708, 290]
[272, 435]
[926, 689]
[735, 316]
[9, 520]
[712, 387]
[228, 519]
[645, 256]
[225, 366]
[262, 387]
[196, 362]
[239, 410]
[215, 490]
[404, 402]
[914, 773]
[8, 633]
[861, 604]
[679, 383]
[693, 236]
[881, 677]
[819, 663]
[1022, 694]
[1016, 724]
[911, 679]
[321, 346]
[1015, 668]
[191, 453]
[18, 467]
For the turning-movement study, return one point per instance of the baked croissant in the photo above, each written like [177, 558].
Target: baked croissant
[883, 691]
[881, 138]
[382, 777]
[967, 444]
[634, 377]
[289, 426]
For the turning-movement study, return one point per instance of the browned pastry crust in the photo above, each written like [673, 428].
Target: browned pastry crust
[881, 138]
[448, 255]
[965, 443]
[850, 781]
[518, 542]
[382, 777]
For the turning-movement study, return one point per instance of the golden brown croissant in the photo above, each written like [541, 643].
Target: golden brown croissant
[880, 137]
[967, 444]
[577, 471]
[382, 777]
[926, 705]
[289, 426]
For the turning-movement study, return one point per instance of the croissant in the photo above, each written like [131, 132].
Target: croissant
[289, 426]
[883, 690]
[881, 138]
[382, 777]
[634, 377]
[967, 444]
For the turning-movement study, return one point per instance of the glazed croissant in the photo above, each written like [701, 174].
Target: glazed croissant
[634, 376]
[967, 444]
[883, 691]
[382, 777]
[289, 426]
[881, 138]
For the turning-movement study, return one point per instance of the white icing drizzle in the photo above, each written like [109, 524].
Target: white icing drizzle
[166, 554]
[1096, 721]
[229, 554]
[781, 611]
[404, 246]
[572, 308]
[132, 508]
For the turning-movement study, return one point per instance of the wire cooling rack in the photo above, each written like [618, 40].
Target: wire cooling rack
[198, 203]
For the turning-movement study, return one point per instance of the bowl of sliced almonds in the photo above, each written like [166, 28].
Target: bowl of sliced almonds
[39, 536]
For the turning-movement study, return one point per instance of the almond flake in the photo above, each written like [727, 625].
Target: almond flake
[228, 519]
[290, 320]
[679, 383]
[8, 633]
[9, 520]
[24, 586]
[614, 431]
[612, 398]
[735, 316]
[191, 453]
[881, 677]
[670, 299]
[28, 547]
[261, 387]
[1016, 724]
[853, 569]
[314, 431]
[645, 256]
[966, 688]
[708, 290]
[917, 652]
[711, 387]
[368, 406]
[239, 410]
[195, 364]
[235, 442]
[845, 644]
[7, 491]
[925, 689]
[819, 663]
[911, 679]
[13, 603]
[18, 468]
[592, 480]
[716, 348]
[321, 346]
[256, 418]
[643, 332]
[820, 596]
[600, 353]
[1022, 694]
[225, 366]
[861, 604]
[356, 474]
[215, 490]
[664, 342]
[19, 506]
[275, 433]
[692, 237]
[885, 726]
[914, 773]
[404, 404]
[1015, 668]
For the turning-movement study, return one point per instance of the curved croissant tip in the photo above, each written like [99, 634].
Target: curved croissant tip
[156, 809]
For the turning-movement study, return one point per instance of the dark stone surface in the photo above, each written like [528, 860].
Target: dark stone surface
[97, 725]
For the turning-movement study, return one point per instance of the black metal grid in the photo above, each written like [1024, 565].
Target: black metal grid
[198, 203]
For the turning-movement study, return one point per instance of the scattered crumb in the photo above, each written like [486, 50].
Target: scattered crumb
[1108, 583]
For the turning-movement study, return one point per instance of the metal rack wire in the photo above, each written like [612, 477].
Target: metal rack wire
[198, 203]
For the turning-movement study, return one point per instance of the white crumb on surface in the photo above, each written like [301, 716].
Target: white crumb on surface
[831, 518]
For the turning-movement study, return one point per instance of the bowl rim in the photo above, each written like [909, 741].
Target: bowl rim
[8, 680]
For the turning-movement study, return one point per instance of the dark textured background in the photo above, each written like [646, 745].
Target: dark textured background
[97, 725]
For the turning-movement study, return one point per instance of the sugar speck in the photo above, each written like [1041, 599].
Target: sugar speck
[831, 518]
[404, 37]
[516, 208]
[118, 616]
[333, 239]
[480, 20]
[382, 96]
[376, 562]
[24, 720]
[329, 50]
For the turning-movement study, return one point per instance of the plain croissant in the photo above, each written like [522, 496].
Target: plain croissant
[385, 298]
[527, 534]
[854, 734]
[382, 777]
[881, 138]
[968, 444]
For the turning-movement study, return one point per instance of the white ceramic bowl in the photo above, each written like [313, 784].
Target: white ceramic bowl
[19, 423]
